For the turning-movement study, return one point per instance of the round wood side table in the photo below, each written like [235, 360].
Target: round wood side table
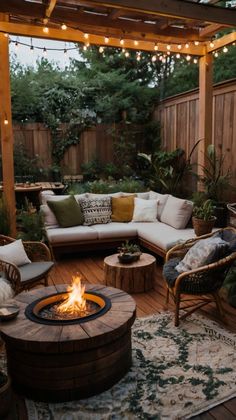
[136, 277]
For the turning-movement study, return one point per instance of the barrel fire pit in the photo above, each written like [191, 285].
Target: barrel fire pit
[53, 356]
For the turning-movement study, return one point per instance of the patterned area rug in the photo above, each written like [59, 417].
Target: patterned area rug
[176, 373]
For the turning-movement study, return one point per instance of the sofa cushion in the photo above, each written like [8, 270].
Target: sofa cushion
[43, 196]
[68, 212]
[143, 195]
[71, 234]
[96, 210]
[163, 236]
[201, 253]
[116, 230]
[94, 195]
[177, 212]
[145, 210]
[122, 208]
[161, 198]
[14, 253]
[49, 217]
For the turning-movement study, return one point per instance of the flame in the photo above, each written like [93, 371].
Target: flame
[75, 303]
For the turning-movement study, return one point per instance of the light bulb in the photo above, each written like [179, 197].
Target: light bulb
[195, 60]
[135, 43]
[45, 51]
[168, 47]
[168, 52]
[178, 55]
[154, 58]
[155, 47]
[85, 48]
[45, 29]
[122, 41]
[101, 49]
[6, 35]
[86, 36]
[5, 122]
[216, 54]
[188, 57]
[225, 49]
[138, 57]
[32, 49]
[212, 44]
[127, 54]
[179, 47]
[187, 45]
[196, 43]
[63, 27]
[106, 39]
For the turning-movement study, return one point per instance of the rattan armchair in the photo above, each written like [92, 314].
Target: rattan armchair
[28, 275]
[194, 289]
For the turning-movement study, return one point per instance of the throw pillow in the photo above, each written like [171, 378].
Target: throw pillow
[122, 208]
[6, 291]
[96, 210]
[14, 253]
[177, 212]
[68, 212]
[49, 218]
[162, 199]
[203, 252]
[145, 210]
[143, 195]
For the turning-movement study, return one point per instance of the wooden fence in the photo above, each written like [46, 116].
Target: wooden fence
[178, 116]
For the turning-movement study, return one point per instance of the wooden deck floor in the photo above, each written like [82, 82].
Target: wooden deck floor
[90, 267]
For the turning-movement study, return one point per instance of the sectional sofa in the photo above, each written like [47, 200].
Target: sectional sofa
[170, 225]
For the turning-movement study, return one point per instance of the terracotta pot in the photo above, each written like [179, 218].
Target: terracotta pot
[202, 227]
[5, 399]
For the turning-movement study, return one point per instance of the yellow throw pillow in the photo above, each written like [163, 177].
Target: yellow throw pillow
[122, 208]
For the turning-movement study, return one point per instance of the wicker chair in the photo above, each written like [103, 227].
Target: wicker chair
[196, 288]
[28, 275]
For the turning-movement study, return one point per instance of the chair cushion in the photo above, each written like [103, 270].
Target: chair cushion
[122, 208]
[205, 251]
[14, 253]
[34, 270]
[230, 237]
[145, 210]
[6, 291]
[169, 271]
[177, 212]
[96, 210]
[68, 212]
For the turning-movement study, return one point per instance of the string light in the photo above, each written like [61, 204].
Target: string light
[127, 54]
[179, 47]
[45, 29]
[212, 44]
[196, 43]
[178, 55]
[187, 45]
[85, 47]
[5, 121]
[168, 52]
[123, 50]
[155, 47]
[63, 27]
[45, 51]
[106, 39]
[216, 54]
[6, 35]
[17, 44]
[188, 57]
[195, 60]
[86, 36]
[122, 41]
[225, 49]
[138, 56]
[136, 43]
[31, 45]
[101, 49]
[168, 47]
[154, 58]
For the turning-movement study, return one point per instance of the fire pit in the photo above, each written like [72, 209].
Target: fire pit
[74, 306]
[80, 355]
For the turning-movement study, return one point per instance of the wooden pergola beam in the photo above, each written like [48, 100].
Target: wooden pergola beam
[71, 35]
[6, 132]
[49, 9]
[211, 30]
[175, 9]
[222, 42]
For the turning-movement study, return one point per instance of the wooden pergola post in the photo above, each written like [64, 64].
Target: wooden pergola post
[6, 132]
[205, 110]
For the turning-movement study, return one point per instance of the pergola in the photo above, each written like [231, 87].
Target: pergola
[169, 26]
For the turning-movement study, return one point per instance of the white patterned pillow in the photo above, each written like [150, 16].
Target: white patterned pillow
[201, 253]
[6, 291]
[96, 210]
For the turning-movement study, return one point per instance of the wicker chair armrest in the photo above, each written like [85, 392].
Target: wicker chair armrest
[37, 251]
[12, 274]
[223, 261]
[4, 240]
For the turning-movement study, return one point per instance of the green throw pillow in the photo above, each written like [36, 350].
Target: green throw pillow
[67, 211]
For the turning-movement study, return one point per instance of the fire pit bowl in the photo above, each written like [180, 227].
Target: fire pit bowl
[64, 361]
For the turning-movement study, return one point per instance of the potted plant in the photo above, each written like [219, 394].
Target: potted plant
[5, 395]
[128, 252]
[203, 218]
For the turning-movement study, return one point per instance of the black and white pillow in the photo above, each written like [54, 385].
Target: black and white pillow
[96, 210]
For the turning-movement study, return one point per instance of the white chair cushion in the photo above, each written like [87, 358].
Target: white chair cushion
[161, 198]
[177, 212]
[14, 253]
[145, 210]
[6, 291]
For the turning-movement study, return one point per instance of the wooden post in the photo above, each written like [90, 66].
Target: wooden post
[205, 110]
[6, 132]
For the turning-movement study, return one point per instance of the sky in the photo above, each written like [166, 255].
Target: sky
[28, 57]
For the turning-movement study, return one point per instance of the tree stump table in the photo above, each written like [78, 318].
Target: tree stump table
[135, 277]
[66, 362]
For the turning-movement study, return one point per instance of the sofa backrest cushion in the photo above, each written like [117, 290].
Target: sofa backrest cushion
[67, 212]
[143, 195]
[122, 208]
[161, 198]
[145, 210]
[177, 212]
[49, 217]
[96, 210]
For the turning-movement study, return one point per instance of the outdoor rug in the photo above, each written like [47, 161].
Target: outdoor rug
[176, 373]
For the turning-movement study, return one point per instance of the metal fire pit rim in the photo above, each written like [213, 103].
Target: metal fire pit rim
[40, 320]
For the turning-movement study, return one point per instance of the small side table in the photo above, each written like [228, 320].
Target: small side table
[135, 277]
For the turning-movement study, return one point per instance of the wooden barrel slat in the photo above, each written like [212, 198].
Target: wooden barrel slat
[70, 361]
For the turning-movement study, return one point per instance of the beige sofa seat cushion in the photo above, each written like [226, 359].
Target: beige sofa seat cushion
[71, 234]
[177, 212]
[116, 230]
[162, 235]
